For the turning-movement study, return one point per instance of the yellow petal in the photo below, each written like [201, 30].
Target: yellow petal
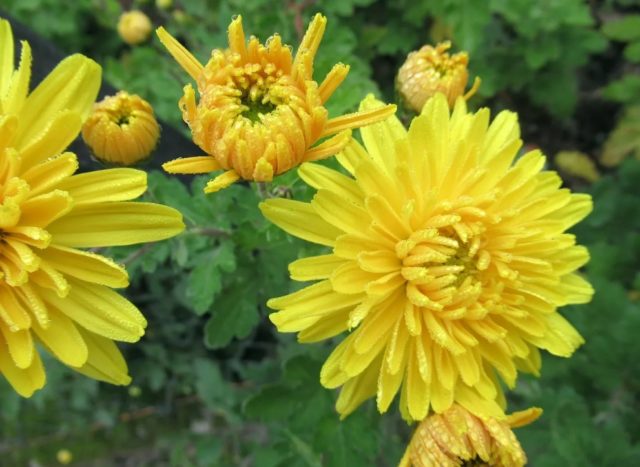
[321, 177]
[105, 362]
[42, 210]
[357, 390]
[46, 175]
[62, 339]
[299, 219]
[314, 267]
[99, 310]
[73, 85]
[111, 224]
[185, 59]
[24, 381]
[86, 265]
[20, 345]
[19, 88]
[54, 138]
[222, 181]
[379, 138]
[523, 417]
[6, 55]
[311, 41]
[105, 185]
[192, 165]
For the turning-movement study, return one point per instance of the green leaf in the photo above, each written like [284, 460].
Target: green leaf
[624, 140]
[271, 403]
[626, 89]
[304, 450]
[632, 52]
[211, 386]
[625, 29]
[235, 314]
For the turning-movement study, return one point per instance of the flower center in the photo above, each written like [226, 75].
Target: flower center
[254, 107]
[442, 265]
[475, 462]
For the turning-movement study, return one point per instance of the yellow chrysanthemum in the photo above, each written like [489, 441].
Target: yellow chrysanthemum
[448, 262]
[431, 70]
[134, 27]
[121, 129]
[52, 292]
[458, 438]
[260, 112]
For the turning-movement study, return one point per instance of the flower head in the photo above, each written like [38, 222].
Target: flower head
[122, 129]
[448, 261]
[51, 291]
[134, 27]
[431, 70]
[457, 438]
[260, 112]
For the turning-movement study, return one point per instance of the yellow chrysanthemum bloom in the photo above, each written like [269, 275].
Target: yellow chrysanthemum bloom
[134, 27]
[449, 259]
[431, 70]
[121, 130]
[260, 112]
[53, 293]
[458, 438]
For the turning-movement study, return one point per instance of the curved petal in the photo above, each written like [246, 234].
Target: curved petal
[73, 85]
[101, 186]
[111, 224]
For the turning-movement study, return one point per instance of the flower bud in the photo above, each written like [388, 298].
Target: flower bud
[431, 70]
[64, 456]
[456, 437]
[134, 27]
[121, 130]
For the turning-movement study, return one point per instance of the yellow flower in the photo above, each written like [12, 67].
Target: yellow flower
[448, 262]
[51, 291]
[121, 129]
[134, 27]
[431, 70]
[64, 456]
[457, 438]
[260, 113]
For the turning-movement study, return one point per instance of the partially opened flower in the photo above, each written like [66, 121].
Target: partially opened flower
[448, 261]
[52, 292]
[121, 129]
[431, 70]
[458, 438]
[260, 112]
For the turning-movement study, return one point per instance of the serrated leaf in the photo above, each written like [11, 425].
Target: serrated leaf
[234, 314]
[204, 284]
[270, 403]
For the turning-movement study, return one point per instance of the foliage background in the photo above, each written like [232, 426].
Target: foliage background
[213, 383]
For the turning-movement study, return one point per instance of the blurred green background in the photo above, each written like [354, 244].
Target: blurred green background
[213, 384]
